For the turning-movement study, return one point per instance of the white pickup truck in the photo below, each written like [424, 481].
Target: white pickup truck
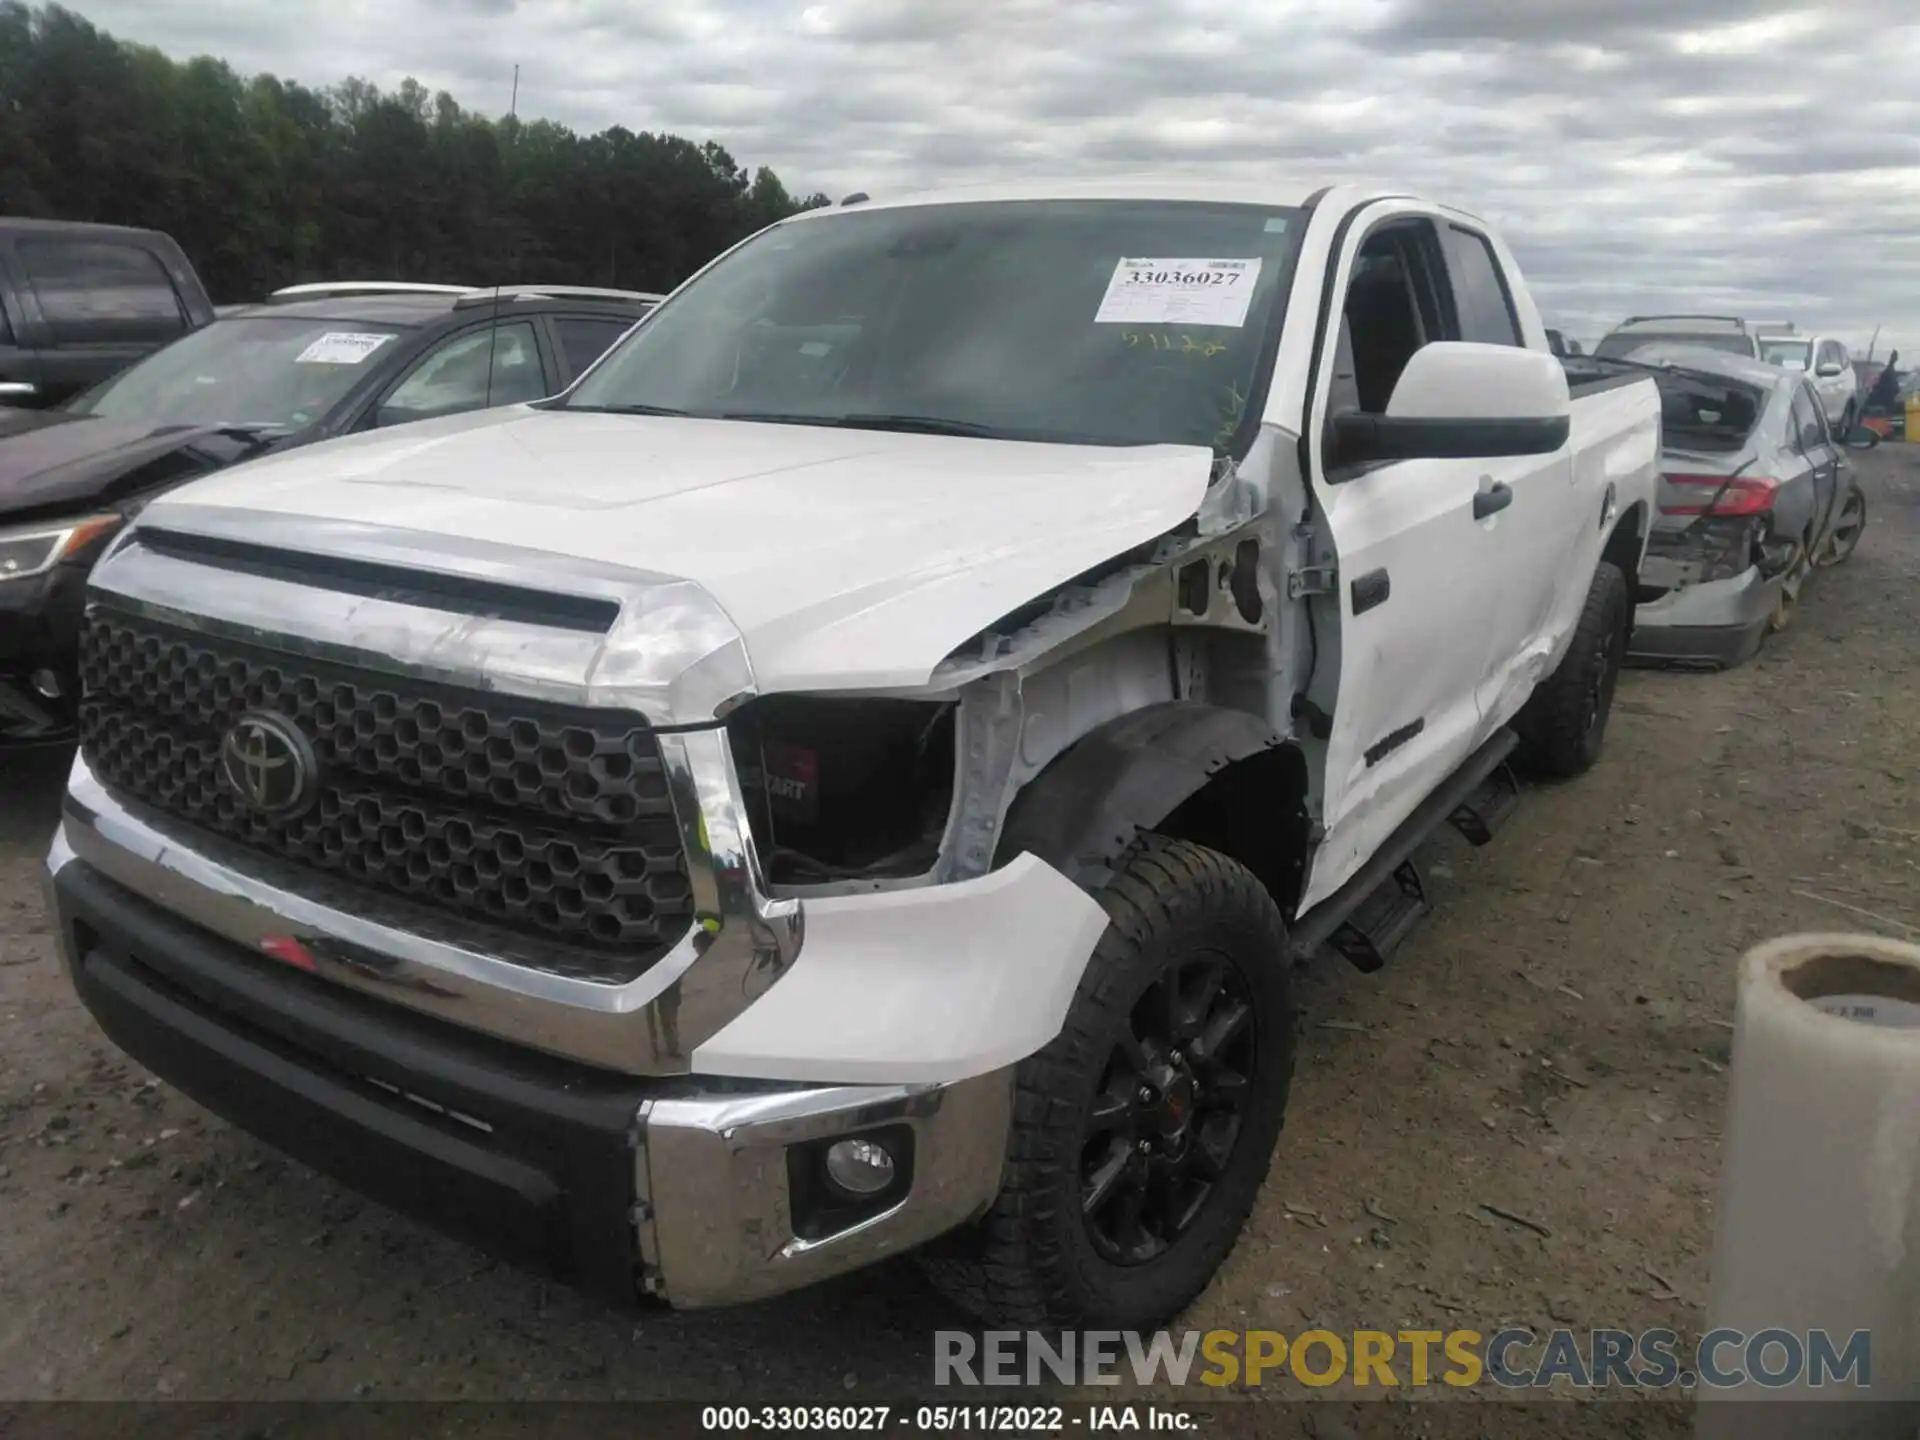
[857, 772]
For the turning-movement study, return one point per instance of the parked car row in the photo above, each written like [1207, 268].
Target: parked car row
[1756, 489]
[312, 363]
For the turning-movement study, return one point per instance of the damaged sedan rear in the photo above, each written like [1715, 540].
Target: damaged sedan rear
[1752, 486]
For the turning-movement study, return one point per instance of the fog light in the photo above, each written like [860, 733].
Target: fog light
[859, 1167]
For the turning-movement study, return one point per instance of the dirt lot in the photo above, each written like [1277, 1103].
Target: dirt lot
[1552, 1043]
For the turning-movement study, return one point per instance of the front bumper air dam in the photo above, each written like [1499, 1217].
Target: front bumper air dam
[618, 1185]
[1717, 622]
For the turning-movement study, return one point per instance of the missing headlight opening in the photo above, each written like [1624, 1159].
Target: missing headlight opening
[844, 789]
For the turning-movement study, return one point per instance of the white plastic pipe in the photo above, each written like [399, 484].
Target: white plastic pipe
[1819, 1224]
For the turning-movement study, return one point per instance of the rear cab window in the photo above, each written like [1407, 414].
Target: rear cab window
[101, 292]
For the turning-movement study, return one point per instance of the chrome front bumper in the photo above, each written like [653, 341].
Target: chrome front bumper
[739, 943]
[692, 1191]
[716, 1222]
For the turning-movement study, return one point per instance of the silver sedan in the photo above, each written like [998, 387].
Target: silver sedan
[1755, 492]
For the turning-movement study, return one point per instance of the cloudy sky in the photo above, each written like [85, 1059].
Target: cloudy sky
[1734, 156]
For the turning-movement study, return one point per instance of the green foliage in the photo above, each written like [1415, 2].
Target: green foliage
[266, 183]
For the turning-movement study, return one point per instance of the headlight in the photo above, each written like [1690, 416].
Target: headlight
[35, 549]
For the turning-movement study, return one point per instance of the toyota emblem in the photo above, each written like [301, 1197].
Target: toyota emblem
[270, 764]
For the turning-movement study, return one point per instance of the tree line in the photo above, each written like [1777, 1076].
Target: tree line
[265, 182]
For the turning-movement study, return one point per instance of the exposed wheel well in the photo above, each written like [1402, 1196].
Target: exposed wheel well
[1625, 544]
[1254, 811]
[1209, 775]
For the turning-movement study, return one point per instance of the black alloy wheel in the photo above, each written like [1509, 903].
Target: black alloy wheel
[1161, 1128]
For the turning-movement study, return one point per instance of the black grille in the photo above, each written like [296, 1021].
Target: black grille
[544, 821]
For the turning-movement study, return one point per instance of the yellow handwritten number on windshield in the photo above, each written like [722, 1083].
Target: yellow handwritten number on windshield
[1181, 345]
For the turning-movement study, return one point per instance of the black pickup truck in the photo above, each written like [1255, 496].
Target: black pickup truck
[81, 302]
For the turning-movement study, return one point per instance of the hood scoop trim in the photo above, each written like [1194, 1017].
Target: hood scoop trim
[454, 594]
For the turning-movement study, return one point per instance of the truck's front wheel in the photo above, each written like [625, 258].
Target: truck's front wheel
[1143, 1131]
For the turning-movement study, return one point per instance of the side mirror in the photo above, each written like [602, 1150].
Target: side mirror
[1828, 371]
[1462, 401]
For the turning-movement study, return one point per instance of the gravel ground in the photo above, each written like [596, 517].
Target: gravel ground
[1552, 1044]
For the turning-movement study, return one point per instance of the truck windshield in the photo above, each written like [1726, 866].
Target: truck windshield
[266, 372]
[1116, 322]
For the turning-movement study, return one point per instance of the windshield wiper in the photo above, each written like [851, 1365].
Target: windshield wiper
[257, 436]
[631, 410]
[919, 425]
[912, 424]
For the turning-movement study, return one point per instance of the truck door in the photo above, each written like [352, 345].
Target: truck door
[1417, 579]
[1541, 543]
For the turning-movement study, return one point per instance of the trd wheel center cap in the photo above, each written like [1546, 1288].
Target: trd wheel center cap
[1175, 1110]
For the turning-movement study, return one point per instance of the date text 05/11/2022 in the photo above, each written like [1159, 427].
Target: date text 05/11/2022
[946, 1419]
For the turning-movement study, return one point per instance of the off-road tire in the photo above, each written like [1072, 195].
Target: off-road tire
[1030, 1262]
[1563, 725]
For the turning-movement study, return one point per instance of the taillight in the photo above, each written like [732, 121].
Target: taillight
[1745, 495]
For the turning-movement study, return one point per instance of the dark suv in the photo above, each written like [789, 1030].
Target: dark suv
[79, 302]
[315, 362]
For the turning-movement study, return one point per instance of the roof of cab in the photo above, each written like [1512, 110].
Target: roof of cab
[1281, 193]
[27, 225]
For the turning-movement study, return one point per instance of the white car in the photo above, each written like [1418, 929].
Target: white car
[860, 767]
[1715, 332]
[1825, 362]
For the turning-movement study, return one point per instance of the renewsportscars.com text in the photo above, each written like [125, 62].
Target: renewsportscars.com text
[1510, 1358]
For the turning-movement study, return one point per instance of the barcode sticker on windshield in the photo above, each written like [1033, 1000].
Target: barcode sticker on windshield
[1179, 292]
[340, 347]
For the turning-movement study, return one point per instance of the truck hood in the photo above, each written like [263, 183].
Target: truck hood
[846, 559]
[54, 462]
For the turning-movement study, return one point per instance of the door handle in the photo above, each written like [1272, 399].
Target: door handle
[1487, 502]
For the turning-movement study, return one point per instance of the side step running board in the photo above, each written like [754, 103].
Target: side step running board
[1384, 919]
[1482, 813]
[1318, 926]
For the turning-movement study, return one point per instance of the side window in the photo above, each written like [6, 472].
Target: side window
[1393, 307]
[452, 376]
[584, 339]
[1479, 290]
[100, 293]
[1809, 424]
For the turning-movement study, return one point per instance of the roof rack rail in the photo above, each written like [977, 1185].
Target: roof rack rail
[482, 295]
[1723, 319]
[320, 288]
